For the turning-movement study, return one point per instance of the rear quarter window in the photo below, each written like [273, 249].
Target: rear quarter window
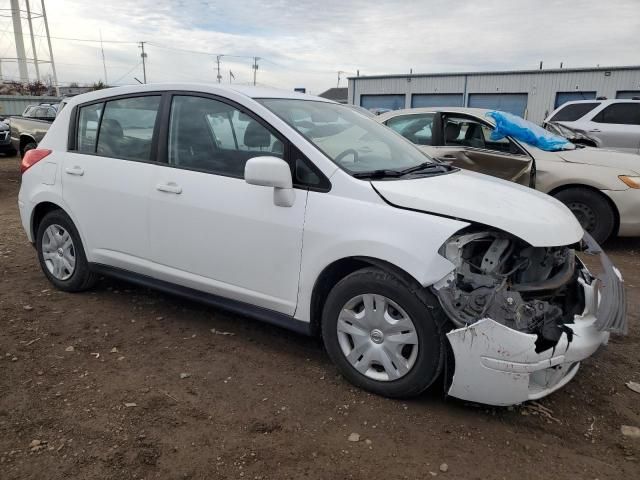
[573, 112]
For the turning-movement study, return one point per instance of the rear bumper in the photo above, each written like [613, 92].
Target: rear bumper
[497, 365]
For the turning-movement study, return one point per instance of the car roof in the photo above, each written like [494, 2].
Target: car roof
[244, 90]
[478, 112]
[604, 102]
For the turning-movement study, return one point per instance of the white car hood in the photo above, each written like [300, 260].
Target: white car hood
[602, 157]
[535, 217]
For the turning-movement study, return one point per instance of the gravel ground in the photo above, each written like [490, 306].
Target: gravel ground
[123, 382]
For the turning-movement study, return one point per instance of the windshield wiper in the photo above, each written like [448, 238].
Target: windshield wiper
[380, 173]
[426, 166]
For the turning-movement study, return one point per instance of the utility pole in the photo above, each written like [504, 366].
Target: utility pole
[255, 68]
[33, 42]
[144, 66]
[338, 84]
[218, 58]
[104, 65]
[53, 63]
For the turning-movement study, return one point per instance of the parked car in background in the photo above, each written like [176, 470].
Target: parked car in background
[320, 219]
[601, 187]
[5, 140]
[610, 123]
[29, 128]
[574, 136]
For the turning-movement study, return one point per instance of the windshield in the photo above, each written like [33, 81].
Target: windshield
[354, 142]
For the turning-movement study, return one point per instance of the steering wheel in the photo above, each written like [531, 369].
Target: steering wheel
[348, 151]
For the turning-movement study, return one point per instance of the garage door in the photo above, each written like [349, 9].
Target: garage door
[515, 103]
[564, 97]
[392, 102]
[628, 94]
[436, 100]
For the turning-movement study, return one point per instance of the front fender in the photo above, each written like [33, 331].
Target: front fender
[407, 239]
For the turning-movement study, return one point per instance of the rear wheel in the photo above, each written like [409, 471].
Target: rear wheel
[61, 253]
[381, 334]
[592, 210]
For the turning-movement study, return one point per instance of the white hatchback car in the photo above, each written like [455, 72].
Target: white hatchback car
[266, 203]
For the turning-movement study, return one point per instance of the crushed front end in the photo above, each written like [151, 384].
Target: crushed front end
[524, 317]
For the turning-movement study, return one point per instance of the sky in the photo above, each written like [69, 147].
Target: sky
[305, 43]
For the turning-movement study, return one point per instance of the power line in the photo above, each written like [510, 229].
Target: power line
[198, 52]
[81, 39]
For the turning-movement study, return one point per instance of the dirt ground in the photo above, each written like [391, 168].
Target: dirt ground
[126, 383]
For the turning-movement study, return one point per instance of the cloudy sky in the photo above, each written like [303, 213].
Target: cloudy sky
[304, 43]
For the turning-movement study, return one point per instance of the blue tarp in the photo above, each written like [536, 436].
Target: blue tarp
[520, 129]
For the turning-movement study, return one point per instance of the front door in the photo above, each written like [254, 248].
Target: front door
[209, 229]
[466, 143]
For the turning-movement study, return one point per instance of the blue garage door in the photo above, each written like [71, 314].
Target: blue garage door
[515, 103]
[436, 100]
[628, 94]
[392, 102]
[564, 97]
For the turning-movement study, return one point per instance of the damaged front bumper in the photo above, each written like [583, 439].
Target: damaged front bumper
[498, 365]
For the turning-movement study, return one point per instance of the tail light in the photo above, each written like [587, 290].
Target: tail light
[32, 157]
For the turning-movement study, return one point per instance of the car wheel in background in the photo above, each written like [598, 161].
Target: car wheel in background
[27, 147]
[592, 210]
[61, 254]
[381, 334]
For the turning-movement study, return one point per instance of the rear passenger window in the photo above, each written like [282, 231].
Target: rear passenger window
[88, 120]
[126, 129]
[620, 113]
[415, 127]
[210, 135]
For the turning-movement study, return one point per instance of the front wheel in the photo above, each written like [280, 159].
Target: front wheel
[381, 334]
[592, 210]
[27, 147]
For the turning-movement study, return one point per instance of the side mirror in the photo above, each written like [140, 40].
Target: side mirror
[271, 172]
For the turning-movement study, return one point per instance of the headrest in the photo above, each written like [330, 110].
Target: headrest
[256, 135]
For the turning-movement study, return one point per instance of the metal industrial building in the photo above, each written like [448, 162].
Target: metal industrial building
[531, 94]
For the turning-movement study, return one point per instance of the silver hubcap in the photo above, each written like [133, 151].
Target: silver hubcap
[377, 337]
[58, 252]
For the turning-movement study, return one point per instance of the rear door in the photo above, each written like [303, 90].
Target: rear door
[107, 176]
[617, 126]
[212, 231]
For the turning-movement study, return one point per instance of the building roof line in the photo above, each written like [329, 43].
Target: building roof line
[500, 72]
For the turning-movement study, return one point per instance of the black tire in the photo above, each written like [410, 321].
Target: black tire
[27, 147]
[592, 210]
[82, 277]
[414, 302]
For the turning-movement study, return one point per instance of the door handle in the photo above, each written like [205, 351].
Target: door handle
[595, 130]
[169, 188]
[75, 170]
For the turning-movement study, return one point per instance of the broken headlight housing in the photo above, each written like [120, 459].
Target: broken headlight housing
[529, 289]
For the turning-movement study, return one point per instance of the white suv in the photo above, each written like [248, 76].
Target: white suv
[609, 123]
[304, 213]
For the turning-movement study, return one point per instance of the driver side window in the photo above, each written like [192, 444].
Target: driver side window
[466, 132]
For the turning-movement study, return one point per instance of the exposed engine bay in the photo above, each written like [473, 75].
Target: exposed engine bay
[532, 290]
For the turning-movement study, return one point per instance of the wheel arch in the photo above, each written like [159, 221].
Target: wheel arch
[596, 191]
[38, 213]
[338, 269]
